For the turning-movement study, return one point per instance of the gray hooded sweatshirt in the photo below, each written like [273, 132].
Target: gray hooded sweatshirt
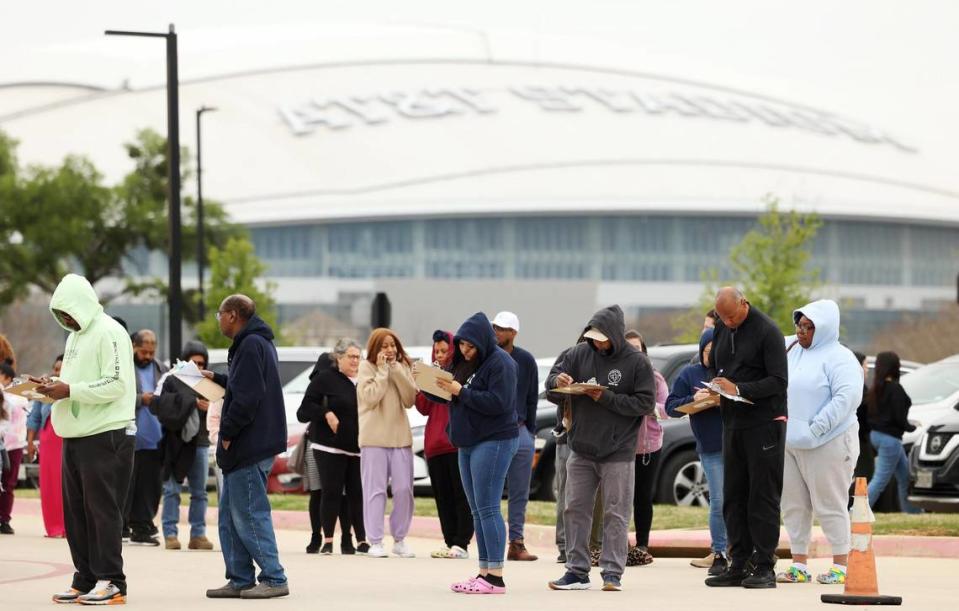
[605, 430]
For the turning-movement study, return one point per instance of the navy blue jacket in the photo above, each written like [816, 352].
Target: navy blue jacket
[527, 388]
[708, 425]
[253, 419]
[486, 406]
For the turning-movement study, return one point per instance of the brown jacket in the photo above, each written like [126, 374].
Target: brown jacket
[383, 394]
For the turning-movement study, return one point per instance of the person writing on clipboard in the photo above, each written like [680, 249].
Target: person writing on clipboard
[749, 355]
[602, 442]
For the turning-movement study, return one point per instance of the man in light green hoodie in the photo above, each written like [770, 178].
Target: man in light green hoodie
[94, 411]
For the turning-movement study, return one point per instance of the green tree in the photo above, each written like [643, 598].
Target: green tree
[771, 264]
[64, 218]
[235, 269]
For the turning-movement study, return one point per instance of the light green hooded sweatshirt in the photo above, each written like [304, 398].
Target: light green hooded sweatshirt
[97, 364]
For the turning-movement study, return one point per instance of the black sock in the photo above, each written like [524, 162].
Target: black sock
[495, 580]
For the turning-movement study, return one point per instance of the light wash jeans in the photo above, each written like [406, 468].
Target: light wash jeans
[891, 459]
[483, 469]
[713, 466]
[196, 478]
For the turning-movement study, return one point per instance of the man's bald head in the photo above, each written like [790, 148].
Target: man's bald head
[732, 306]
[244, 307]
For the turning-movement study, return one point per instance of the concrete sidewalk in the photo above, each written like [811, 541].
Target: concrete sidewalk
[33, 567]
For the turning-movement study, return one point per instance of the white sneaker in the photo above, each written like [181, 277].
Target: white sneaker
[458, 553]
[377, 551]
[401, 549]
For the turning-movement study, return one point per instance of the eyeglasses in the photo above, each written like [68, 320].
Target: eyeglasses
[220, 314]
[805, 328]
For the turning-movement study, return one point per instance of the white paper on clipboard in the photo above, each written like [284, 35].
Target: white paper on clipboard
[426, 376]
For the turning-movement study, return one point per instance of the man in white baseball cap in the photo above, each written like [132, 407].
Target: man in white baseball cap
[506, 326]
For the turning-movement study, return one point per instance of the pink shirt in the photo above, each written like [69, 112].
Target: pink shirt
[15, 436]
[650, 436]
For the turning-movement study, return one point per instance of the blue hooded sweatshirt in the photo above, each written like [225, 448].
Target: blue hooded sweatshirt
[825, 381]
[707, 425]
[486, 406]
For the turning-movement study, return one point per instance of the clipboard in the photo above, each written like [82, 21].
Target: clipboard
[702, 405]
[28, 390]
[426, 376]
[579, 388]
[714, 388]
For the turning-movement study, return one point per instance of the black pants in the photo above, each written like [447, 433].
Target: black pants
[339, 472]
[646, 465]
[96, 476]
[456, 520]
[316, 519]
[753, 461]
[146, 490]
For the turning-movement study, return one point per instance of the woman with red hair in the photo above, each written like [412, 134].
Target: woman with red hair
[384, 391]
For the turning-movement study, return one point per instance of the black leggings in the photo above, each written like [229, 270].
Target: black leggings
[646, 465]
[339, 472]
[456, 520]
[316, 521]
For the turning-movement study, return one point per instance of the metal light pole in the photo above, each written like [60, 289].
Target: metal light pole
[200, 250]
[174, 291]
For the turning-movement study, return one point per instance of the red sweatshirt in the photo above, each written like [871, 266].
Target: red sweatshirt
[437, 418]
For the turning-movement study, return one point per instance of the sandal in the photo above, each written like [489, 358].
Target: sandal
[478, 586]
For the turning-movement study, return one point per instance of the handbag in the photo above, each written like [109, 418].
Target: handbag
[297, 461]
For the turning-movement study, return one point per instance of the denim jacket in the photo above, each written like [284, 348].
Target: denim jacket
[37, 418]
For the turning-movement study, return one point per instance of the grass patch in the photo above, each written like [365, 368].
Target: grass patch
[664, 516]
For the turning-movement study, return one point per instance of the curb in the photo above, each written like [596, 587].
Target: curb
[662, 543]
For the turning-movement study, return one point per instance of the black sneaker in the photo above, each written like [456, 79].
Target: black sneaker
[561, 559]
[314, 546]
[348, 549]
[720, 564]
[144, 539]
[732, 578]
[125, 535]
[760, 579]
[327, 548]
[363, 548]
[5, 528]
[570, 581]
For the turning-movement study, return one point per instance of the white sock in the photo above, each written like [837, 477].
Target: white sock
[839, 567]
[801, 567]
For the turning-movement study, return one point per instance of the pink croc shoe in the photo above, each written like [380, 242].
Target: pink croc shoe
[481, 586]
[462, 586]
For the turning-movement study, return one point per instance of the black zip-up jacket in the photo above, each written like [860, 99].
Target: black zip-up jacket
[605, 430]
[892, 415]
[254, 419]
[753, 357]
[331, 391]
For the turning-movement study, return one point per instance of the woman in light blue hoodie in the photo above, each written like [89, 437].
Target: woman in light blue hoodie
[822, 439]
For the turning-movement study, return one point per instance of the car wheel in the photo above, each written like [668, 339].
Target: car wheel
[683, 481]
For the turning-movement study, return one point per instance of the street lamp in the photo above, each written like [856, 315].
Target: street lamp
[200, 251]
[174, 291]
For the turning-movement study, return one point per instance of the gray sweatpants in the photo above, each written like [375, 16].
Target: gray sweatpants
[816, 482]
[583, 478]
[562, 456]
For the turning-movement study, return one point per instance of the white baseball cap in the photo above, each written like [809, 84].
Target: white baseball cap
[596, 334]
[507, 320]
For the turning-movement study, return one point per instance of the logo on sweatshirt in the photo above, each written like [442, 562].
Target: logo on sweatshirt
[615, 376]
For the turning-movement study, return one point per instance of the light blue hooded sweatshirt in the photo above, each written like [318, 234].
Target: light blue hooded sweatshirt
[825, 381]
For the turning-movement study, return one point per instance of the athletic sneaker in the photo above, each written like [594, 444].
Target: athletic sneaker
[570, 581]
[561, 559]
[327, 548]
[104, 593]
[794, 574]
[458, 553]
[760, 579]
[401, 549]
[362, 548]
[67, 598]
[834, 576]
[376, 551]
[611, 583]
[144, 539]
[720, 564]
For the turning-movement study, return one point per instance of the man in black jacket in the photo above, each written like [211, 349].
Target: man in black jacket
[252, 433]
[602, 443]
[749, 354]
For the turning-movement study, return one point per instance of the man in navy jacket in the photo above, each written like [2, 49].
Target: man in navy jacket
[252, 433]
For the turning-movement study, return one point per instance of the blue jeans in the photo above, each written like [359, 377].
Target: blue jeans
[517, 480]
[483, 469]
[713, 466]
[246, 527]
[196, 478]
[891, 459]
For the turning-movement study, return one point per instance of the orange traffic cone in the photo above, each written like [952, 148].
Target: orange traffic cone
[862, 585]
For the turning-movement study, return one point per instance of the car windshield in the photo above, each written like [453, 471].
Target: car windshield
[932, 383]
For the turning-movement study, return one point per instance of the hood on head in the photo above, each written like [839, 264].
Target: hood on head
[824, 314]
[75, 296]
[478, 331]
[194, 348]
[254, 326]
[438, 335]
[324, 362]
[704, 339]
[611, 321]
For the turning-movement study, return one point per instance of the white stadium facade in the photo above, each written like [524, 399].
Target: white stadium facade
[456, 175]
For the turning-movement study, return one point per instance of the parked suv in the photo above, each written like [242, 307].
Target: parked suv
[934, 466]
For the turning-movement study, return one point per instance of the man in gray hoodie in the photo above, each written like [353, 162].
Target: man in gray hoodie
[602, 442]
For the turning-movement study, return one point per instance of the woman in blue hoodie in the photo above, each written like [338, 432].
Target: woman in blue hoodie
[822, 439]
[708, 429]
[483, 427]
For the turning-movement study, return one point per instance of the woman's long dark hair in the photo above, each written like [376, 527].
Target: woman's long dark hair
[463, 369]
[887, 366]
